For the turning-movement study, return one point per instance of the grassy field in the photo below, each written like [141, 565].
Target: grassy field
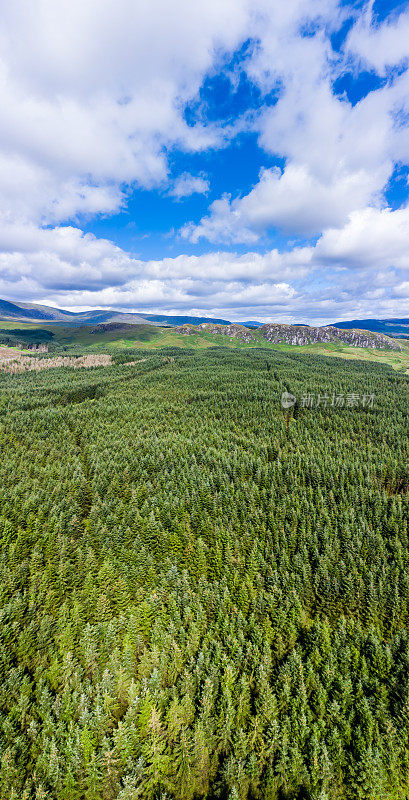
[147, 337]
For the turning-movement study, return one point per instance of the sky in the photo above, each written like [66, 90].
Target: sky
[243, 159]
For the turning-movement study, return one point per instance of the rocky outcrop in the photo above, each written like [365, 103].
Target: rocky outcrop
[233, 331]
[186, 329]
[295, 334]
[304, 334]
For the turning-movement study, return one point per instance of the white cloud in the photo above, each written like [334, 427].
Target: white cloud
[338, 157]
[186, 185]
[380, 46]
[374, 239]
[295, 201]
[64, 262]
[93, 98]
[359, 270]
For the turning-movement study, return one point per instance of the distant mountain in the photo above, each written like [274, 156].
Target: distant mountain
[391, 327]
[33, 312]
[168, 319]
[12, 311]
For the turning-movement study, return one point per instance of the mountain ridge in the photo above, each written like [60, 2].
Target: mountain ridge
[393, 326]
[296, 334]
[36, 312]
[24, 312]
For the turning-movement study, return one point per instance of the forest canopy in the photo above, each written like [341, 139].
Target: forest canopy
[204, 595]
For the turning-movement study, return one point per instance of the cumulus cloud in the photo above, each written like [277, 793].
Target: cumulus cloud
[293, 200]
[380, 46]
[92, 96]
[186, 185]
[359, 270]
[81, 269]
[93, 102]
[338, 156]
[375, 239]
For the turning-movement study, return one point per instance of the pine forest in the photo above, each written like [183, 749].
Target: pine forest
[205, 594]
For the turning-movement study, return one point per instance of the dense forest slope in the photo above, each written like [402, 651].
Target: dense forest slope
[204, 595]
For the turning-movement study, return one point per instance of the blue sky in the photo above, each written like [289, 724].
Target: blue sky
[232, 158]
[148, 225]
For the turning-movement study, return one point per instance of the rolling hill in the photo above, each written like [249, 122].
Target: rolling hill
[33, 312]
[390, 327]
[36, 313]
[168, 319]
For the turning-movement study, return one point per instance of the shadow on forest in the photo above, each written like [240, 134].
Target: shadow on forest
[394, 482]
[80, 394]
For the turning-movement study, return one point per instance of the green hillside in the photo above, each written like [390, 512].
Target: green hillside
[110, 338]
